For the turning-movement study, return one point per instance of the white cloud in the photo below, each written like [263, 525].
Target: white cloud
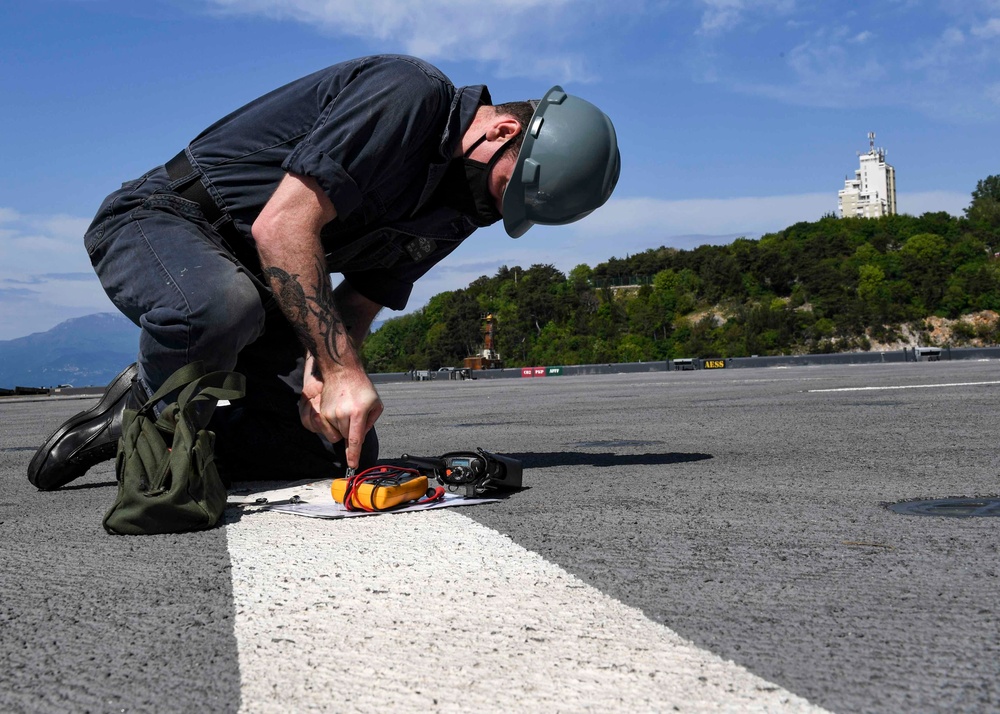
[942, 73]
[828, 74]
[45, 274]
[834, 63]
[754, 214]
[989, 29]
[722, 16]
[921, 202]
[941, 53]
[65, 227]
[992, 93]
[520, 37]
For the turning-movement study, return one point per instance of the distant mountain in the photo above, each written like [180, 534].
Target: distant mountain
[85, 351]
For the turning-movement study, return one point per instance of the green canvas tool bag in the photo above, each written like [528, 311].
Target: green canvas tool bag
[167, 478]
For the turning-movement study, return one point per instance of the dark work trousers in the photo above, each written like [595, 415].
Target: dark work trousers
[168, 270]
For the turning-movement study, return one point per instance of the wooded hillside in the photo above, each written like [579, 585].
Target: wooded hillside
[826, 286]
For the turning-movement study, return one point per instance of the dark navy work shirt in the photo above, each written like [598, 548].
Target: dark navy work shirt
[376, 134]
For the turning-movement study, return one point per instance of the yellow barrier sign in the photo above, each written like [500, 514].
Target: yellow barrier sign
[714, 364]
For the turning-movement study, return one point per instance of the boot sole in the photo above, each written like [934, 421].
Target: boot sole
[75, 466]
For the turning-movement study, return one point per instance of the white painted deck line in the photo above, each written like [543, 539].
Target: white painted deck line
[432, 611]
[902, 386]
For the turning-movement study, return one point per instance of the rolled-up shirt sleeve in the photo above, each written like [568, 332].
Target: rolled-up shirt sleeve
[375, 128]
[343, 192]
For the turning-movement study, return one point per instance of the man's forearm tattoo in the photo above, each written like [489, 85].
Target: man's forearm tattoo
[298, 306]
[324, 309]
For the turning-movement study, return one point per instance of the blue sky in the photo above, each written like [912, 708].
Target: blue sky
[735, 117]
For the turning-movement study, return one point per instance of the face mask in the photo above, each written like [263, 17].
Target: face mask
[466, 187]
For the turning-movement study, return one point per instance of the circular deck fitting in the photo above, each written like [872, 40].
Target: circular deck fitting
[948, 507]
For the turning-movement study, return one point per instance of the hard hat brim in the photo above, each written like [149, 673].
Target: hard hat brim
[567, 166]
[515, 214]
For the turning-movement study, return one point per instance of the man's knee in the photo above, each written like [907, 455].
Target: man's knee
[211, 324]
[231, 318]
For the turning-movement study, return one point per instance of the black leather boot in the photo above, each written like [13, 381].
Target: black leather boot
[87, 438]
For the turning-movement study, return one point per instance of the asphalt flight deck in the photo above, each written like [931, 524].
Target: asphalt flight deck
[687, 541]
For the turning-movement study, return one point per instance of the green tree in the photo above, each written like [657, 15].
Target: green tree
[635, 348]
[397, 346]
[923, 264]
[814, 286]
[984, 210]
[872, 289]
[580, 276]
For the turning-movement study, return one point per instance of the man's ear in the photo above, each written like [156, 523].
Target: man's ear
[503, 127]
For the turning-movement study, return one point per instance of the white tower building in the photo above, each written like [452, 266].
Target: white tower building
[872, 191]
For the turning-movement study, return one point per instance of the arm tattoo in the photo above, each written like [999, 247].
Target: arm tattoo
[324, 309]
[298, 306]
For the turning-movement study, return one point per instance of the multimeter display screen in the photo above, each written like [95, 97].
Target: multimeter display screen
[460, 463]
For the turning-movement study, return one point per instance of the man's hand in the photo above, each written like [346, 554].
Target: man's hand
[342, 403]
[344, 406]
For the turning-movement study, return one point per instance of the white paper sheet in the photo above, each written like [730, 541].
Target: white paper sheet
[313, 500]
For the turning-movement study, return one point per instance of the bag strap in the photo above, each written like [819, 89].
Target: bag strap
[211, 387]
[186, 374]
[196, 386]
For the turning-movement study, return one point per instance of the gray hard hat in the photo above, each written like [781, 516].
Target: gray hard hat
[568, 164]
